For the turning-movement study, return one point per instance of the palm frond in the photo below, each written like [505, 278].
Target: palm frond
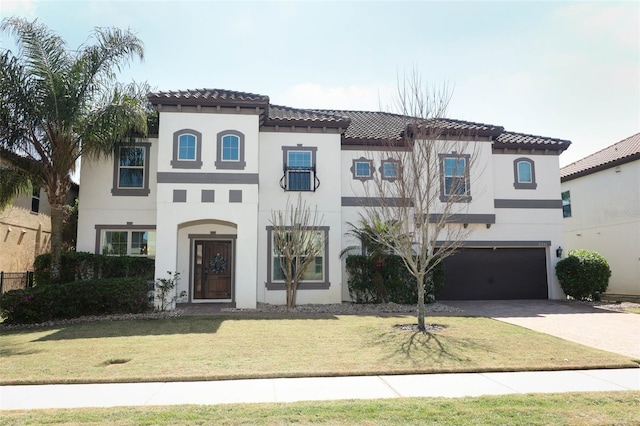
[13, 182]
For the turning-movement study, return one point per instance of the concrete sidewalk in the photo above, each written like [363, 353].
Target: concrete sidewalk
[315, 389]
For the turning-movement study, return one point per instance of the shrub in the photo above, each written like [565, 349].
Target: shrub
[583, 275]
[75, 299]
[80, 266]
[397, 284]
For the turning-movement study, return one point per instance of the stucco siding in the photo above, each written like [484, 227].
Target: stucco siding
[605, 217]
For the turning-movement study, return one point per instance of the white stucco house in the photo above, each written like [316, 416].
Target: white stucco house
[601, 197]
[199, 195]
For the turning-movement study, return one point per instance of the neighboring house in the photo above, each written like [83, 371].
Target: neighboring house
[601, 198]
[25, 229]
[199, 196]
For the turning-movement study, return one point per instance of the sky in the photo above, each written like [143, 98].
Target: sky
[568, 70]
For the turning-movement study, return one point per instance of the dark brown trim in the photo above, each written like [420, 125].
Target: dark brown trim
[463, 218]
[516, 175]
[486, 243]
[302, 286]
[212, 178]
[179, 195]
[527, 204]
[374, 202]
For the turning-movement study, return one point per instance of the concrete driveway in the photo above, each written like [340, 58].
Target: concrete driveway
[599, 328]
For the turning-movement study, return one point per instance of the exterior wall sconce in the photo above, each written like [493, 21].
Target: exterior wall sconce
[465, 225]
[559, 252]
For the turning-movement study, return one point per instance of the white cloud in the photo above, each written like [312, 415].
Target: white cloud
[21, 8]
[313, 95]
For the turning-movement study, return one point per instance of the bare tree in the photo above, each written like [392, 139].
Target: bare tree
[423, 185]
[297, 240]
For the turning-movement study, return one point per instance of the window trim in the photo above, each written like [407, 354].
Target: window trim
[135, 192]
[566, 208]
[314, 182]
[517, 184]
[354, 169]
[239, 164]
[176, 162]
[129, 228]
[384, 176]
[466, 198]
[35, 199]
[304, 285]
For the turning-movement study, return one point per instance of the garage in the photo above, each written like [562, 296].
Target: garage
[496, 274]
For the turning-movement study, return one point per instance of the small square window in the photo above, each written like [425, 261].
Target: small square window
[363, 169]
[390, 170]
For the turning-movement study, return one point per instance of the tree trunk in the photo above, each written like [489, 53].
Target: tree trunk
[420, 283]
[57, 222]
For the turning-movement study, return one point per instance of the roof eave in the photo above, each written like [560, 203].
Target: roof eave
[620, 161]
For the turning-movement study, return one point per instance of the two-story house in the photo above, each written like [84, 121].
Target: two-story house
[199, 196]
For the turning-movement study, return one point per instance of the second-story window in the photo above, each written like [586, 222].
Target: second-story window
[390, 169]
[362, 169]
[131, 170]
[187, 149]
[454, 178]
[230, 150]
[566, 204]
[35, 199]
[299, 169]
[524, 174]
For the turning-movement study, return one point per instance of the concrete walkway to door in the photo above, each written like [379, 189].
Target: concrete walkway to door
[588, 325]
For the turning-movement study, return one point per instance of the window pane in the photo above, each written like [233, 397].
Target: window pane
[390, 170]
[278, 275]
[454, 166]
[230, 148]
[314, 270]
[566, 204]
[139, 246]
[299, 181]
[187, 147]
[131, 178]
[363, 169]
[299, 159]
[524, 172]
[114, 243]
[454, 186]
[132, 157]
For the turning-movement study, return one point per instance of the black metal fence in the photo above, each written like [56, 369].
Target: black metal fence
[15, 280]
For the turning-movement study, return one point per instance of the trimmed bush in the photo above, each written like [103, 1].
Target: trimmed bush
[80, 266]
[583, 274]
[394, 282]
[75, 299]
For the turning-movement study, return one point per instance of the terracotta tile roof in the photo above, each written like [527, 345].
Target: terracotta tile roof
[206, 97]
[619, 153]
[284, 115]
[360, 126]
[372, 125]
[510, 139]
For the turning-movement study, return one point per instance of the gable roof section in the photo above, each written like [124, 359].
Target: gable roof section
[622, 152]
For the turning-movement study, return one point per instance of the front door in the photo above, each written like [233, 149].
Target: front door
[213, 270]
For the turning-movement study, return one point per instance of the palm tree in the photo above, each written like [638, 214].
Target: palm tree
[57, 105]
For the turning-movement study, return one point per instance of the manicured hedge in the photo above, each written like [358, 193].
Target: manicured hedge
[394, 282]
[583, 274]
[80, 266]
[79, 298]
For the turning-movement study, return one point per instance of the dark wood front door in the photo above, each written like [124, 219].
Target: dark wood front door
[213, 270]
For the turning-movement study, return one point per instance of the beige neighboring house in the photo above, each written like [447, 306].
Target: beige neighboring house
[25, 231]
[601, 209]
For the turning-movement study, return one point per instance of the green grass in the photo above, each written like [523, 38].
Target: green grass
[196, 348]
[577, 409]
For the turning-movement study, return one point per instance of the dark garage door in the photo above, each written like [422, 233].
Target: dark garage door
[495, 274]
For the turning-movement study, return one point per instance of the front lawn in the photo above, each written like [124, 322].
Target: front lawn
[196, 348]
[576, 409]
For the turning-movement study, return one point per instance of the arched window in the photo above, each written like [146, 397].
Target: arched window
[187, 149]
[524, 174]
[230, 150]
